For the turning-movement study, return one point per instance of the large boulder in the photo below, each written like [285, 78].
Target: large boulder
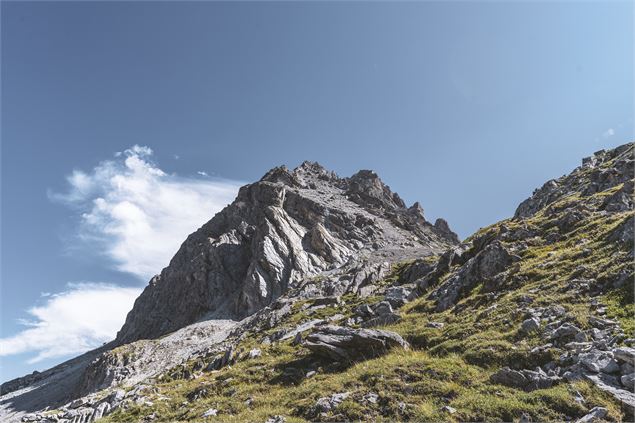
[527, 380]
[346, 344]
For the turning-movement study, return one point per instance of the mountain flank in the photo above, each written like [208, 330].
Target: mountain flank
[279, 231]
[318, 298]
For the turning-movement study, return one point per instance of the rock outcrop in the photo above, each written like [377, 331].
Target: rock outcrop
[346, 345]
[280, 230]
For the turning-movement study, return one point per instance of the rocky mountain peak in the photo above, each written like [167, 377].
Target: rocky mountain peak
[278, 231]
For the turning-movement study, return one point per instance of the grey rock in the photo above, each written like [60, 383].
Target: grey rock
[599, 361]
[596, 413]
[580, 337]
[398, 295]
[346, 344]
[492, 260]
[578, 347]
[626, 368]
[377, 314]
[116, 397]
[101, 410]
[530, 325]
[602, 323]
[612, 385]
[276, 419]
[527, 380]
[371, 397]
[435, 325]
[625, 355]
[326, 404]
[210, 413]
[297, 339]
[448, 409]
[628, 381]
[566, 330]
[297, 331]
[254, 353]
[525, 418]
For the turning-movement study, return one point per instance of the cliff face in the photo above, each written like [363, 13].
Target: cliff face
[279, 230]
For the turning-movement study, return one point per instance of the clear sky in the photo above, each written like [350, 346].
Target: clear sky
[465, 107]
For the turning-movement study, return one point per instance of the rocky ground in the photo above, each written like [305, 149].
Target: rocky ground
[342, 304]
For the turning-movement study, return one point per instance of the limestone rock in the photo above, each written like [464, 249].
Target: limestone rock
[596, 414]
[347, 344]
[527, 380]
[530, 325]
[492, 260]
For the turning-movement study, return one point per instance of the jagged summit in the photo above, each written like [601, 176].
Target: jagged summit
[289, 225]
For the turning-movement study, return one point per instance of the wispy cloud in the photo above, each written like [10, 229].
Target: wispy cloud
[136, 213]
[608, 133]
[81, 318]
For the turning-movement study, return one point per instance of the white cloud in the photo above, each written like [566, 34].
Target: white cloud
[137, 214]
[200, 172]
[81, 318]
[608, 133]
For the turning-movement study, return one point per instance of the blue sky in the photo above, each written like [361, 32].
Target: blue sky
[465, 107]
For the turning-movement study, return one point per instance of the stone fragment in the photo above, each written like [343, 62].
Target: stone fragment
[210, 413]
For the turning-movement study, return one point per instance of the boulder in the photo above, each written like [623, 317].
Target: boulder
[101, 410]
[210, 413]
[625, 355]
[527, 380]
[326, 404]
[612, 385]
[346, 344]
[564, 331]
[628, 381]
[530, 325]
[254, 353]
[599, 361]
[596, 413]
[398, 295]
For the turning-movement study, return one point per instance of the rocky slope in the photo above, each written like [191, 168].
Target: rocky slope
[353, 307]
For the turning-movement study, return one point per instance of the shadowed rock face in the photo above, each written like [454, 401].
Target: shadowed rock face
[288, 225]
